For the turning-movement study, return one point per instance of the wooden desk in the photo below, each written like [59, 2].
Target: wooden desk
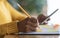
[31, 36]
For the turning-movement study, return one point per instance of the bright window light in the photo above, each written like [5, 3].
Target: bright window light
[52, 6]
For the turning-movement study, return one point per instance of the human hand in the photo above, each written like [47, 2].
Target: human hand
[28, 25]
[41, 18]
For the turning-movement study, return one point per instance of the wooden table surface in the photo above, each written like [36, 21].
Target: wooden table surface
[31, 36]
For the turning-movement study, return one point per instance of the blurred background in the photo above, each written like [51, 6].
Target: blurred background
[33, 7]
[36, 7]
[52, 5]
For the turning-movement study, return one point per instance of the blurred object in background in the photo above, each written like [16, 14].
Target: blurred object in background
[41, 18]
[34, 7]
[56, 26]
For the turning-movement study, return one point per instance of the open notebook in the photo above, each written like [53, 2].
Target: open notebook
[44, 29]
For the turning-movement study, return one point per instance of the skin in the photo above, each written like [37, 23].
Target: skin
[28, 25]
[41, 18]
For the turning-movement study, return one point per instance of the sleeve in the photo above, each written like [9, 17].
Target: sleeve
[16, 15]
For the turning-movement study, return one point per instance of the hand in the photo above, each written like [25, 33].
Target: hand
[28, 25]
[41, 18]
